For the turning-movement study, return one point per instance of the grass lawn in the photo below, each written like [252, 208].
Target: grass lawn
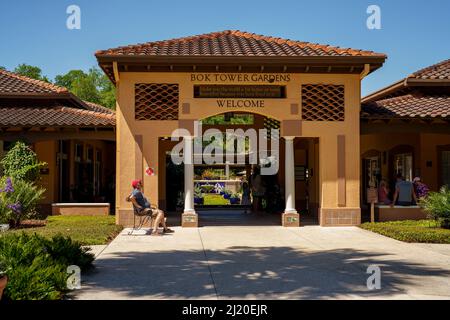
[214, 199]
[425, 231]
[85, 229]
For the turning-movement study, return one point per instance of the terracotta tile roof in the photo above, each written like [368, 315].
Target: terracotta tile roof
[439, 70]
[233, 43]
[57, 115]
[98, 108]
[12, 83]
[413, 105]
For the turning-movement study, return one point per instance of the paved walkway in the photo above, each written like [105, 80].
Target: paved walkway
[266, 262]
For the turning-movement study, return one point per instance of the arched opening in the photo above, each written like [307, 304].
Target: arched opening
[225, 191]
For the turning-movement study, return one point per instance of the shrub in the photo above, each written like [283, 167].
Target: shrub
[425, 231]
[37, 266]
[437, 204]
[207, 188]
[198, 192]
[210, 174]
[3, 269]
[18, 200]
[21, 163]
[235, 196]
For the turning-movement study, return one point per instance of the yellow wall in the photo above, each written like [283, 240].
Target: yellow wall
[280, 109]
[46, 152]
[429, 143]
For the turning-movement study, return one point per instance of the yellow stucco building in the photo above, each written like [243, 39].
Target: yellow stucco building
[312, 90]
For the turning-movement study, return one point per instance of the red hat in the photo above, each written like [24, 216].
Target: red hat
[134, 183]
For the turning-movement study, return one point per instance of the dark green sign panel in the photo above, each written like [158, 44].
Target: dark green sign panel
[240, 91]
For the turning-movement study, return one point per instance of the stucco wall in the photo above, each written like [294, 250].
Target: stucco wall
[129, 166]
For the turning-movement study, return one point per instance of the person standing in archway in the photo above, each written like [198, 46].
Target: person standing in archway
[258, 190]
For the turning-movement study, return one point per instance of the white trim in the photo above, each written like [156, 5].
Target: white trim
[80, 204]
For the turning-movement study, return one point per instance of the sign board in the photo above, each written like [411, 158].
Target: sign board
[240, 91]
[372, 195]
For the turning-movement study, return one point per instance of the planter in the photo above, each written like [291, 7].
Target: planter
[4, 227]
[198, 200]
[3, 283]
[234, 200]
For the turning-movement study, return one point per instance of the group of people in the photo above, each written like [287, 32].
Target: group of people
[406, 193]
[258, 188]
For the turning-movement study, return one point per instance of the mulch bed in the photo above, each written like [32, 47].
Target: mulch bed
[32, 224]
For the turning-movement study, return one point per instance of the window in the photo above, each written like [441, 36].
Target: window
[78, 153]
[90, 155]
[445, 168]
[403, 164]
[97, 172]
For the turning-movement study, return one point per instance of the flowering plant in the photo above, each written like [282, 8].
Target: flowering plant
[18, 200]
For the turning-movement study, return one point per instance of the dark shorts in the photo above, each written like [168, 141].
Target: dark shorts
[404, 203]
[147, 212]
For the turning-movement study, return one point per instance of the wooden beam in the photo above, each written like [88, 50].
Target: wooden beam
[116, 72]
[62, 135]
[365, 72]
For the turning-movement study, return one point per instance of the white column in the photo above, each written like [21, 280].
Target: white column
[289, 175]
[188, 175]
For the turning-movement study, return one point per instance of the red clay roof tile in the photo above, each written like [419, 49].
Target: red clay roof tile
[233, 43]
[12, 83]
[414, 105]
[438, 71]
[57, 115]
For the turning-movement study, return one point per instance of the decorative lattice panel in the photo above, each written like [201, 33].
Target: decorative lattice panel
[270, 123]
[323, 102]
[156, 101]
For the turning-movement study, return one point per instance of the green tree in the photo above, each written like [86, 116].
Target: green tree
[92, 86]
[31, 72]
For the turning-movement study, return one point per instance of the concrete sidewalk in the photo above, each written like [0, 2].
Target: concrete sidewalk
[266, 262]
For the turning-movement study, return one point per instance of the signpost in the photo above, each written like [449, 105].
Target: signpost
[372, 198]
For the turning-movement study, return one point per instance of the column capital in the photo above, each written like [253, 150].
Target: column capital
[289, 138]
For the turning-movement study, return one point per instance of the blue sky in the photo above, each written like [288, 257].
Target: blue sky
[414, 34]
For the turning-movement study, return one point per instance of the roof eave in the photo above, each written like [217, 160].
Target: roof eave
[427, 82]
[50, 96]
[202, 59]
[384, 91]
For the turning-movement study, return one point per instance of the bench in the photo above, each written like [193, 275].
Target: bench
[395, 213]
[80, 209]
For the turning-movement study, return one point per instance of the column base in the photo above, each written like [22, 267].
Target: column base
[340, 217]
[189, 219]
[290, 219]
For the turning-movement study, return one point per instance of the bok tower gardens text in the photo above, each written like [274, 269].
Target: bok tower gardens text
[240, 77]
[240, 90]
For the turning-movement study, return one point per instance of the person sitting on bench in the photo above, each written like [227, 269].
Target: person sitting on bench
[404, 192]
[143, 206]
